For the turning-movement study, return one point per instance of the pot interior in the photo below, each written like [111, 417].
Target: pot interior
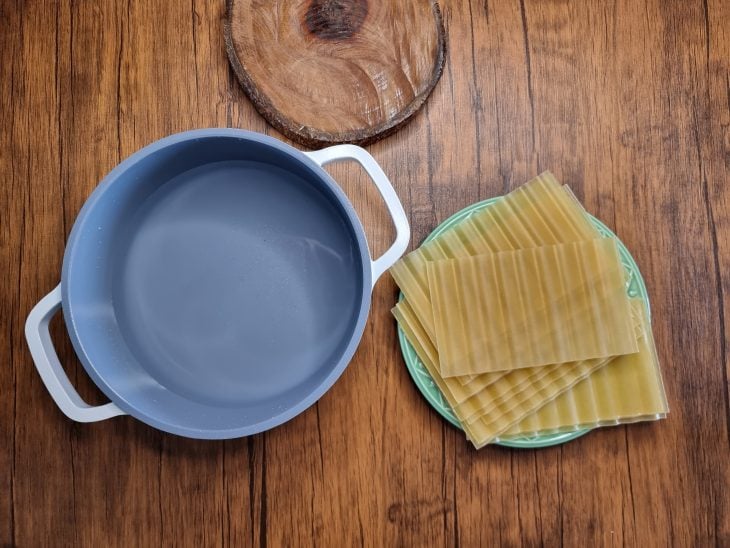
[215, 285]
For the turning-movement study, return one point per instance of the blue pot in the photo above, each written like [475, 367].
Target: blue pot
[215, 284]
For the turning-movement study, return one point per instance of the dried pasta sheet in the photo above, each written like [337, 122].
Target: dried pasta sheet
[427, 353]
[470, 401]
[540, 212]
[539, 389]
[487, 388]
[628, 389]
[421, 342]
[490, 425]
[501, 404]
[532, 307]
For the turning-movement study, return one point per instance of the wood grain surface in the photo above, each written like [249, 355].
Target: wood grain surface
[628, 101]
[334, 71]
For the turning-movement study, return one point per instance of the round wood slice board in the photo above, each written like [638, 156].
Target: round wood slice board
[336, 71]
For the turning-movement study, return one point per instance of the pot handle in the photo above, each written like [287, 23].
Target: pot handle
[49, 368]
[395, 208]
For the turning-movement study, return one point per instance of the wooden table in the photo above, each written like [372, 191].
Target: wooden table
[627, 101]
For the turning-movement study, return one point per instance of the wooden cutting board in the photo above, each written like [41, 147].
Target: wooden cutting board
[334, 71]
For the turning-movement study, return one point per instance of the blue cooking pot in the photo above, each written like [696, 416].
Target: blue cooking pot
[215, 284]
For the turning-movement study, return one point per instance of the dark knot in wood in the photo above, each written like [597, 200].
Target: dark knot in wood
[335, 19]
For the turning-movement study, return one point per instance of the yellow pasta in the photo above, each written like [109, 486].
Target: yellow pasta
[521, 317]
[461, 391]
[530, 307]
[540, 212]
[628, 389]
[535, 383]
[506, 397]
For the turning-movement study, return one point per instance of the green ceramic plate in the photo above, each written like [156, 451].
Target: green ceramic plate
[634, 287]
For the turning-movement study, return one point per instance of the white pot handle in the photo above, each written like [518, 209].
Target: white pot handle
[395, 208]
[49, 368]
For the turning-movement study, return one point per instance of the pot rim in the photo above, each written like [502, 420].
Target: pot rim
[80, 226]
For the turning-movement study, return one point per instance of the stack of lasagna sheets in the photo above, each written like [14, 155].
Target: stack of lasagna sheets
[520, 314]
